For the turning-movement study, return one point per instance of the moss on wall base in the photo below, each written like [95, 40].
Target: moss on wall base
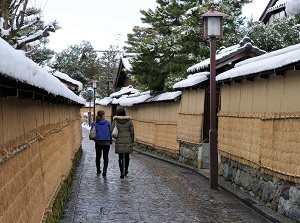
[64, 192]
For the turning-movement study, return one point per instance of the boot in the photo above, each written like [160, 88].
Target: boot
[126, 165]
[104, 170]
[121, 168]
[98, 167]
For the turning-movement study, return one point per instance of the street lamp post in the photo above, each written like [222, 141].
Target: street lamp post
[90, 92]
[213, 30]
[94, 88]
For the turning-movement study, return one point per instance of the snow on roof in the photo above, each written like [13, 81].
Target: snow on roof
[117, 101]
[167, 96]
[223, 52]
[16, 65]
[265, 62]
[268, 55]
[279, 4]
[140, 97]
[292, 7]
[126, 60]
[64, 77]
[124, 90]
[136, 99]
[104, 101]
[126, 63]
[192, 80]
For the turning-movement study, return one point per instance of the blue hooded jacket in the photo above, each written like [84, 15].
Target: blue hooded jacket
[102, 130]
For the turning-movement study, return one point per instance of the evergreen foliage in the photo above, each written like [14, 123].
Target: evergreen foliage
[80, 62]
[108, 62]
[281, 33]
[174, 41]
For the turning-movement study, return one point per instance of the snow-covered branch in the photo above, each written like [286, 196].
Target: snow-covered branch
[20, 42]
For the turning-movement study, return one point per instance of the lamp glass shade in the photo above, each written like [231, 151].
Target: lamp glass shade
[94, 84]
[213, 26]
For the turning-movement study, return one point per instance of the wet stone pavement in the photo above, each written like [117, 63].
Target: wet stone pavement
[153, 191]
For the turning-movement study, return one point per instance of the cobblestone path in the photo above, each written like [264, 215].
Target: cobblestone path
[153, 191]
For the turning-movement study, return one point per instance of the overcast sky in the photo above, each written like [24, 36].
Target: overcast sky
[104, 22]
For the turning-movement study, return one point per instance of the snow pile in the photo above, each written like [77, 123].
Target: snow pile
[16, 65]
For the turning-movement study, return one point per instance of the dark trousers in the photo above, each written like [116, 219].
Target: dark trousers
[99, 150]
[121, 163]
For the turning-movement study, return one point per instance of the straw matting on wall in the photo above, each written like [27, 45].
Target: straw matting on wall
[166, 136]
[190, 127]
[144, 131]
[161, 135]
[38, 142]
[192, 101]
[239, 136]
[106, 109]
[269, 141]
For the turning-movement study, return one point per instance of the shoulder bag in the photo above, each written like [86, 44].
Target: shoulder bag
[93, 132]
[115, 131]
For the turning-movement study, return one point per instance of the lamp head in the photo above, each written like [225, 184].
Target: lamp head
[213, 23]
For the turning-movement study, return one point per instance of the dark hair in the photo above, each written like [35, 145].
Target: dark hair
[100, 113]
[121, 112]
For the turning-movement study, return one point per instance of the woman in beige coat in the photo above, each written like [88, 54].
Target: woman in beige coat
[125, 139]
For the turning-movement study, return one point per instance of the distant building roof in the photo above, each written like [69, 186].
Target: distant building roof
[71, 83]
[129, 96]
[124, 69]
[275, 61]
[124, 91]
[225, 57]
[279, 4]
[228, 55]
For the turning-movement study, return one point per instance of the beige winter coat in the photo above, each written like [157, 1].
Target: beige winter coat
[124, 141]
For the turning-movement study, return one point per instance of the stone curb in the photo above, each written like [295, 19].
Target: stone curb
[250, 202]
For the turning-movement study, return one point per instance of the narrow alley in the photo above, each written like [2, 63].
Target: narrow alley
[153, 191]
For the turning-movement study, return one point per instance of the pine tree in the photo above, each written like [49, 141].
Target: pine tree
[109, 65]
[80, 62]
[176, 41]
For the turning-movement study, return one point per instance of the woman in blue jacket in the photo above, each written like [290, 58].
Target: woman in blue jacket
[103, 141]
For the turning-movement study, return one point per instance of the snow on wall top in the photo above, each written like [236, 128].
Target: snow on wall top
[192, 80]
[14, 64]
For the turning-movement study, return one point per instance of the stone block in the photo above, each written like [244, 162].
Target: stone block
[203, 156]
